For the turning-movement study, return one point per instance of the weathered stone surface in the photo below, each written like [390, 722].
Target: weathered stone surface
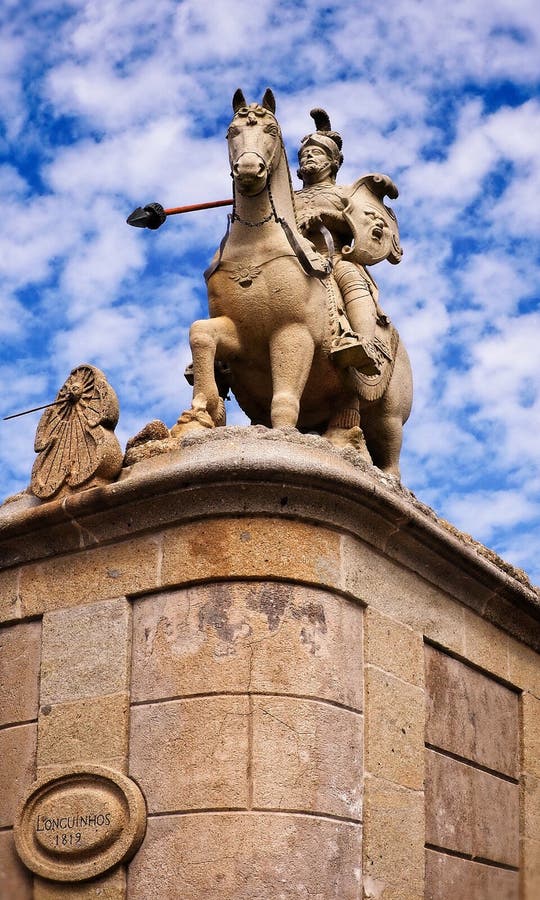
[191, 754]
[485, 645]
[307, 756]
[393, 851]
[86, 652]
[247, 856]
[93, 730]
[523, 668]
[393, 647]
[399, 593]
[10, 606]
[470, 811]
[99, 574]
[394, 723]
[267, 637]
[111, 886]
[530, 724]
[20, 651]
[530, 867]
[503, 610]
[450, 878]
[17, 769]
[251, 548]
[530, 806]
[15, 879]
[470, 714]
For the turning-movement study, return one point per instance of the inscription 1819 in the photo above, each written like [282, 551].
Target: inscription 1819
[65, 832]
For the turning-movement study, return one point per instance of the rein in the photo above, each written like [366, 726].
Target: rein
[297, 248]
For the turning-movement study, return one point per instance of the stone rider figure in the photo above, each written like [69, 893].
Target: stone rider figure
[364, 232]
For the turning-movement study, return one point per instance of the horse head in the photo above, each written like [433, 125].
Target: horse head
[255, 143]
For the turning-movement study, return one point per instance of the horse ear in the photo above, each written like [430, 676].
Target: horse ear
[238, 100]
[269, 101]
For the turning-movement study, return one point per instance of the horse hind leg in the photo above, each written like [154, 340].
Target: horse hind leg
[291, 356]
[384, 436]
[343, 429]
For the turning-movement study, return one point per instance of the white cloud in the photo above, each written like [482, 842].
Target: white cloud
[483, 512]
[108, 105]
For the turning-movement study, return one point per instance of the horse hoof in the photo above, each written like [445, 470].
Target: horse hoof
[192, 420]
[349, 437]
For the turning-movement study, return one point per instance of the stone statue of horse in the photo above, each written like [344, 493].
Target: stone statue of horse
[270, 298]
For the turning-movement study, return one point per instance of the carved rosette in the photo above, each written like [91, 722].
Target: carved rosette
[75, 438]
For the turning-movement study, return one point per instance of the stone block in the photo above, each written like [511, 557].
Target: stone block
[94, 731]
[413, 546]
[530, 869]
[530, 806]
[523, 668]
[251, 548]
[10, 607]
[471, 715]
[17, 769]
[306, 756]
[86, 652]
[393, 851]
[111, 886]
[191, 754]
[507, 614]
[97, 574]
[530, 725]
[15, 879]
[20, 652]
[247, 856]
[485, 645]
[267, 637]
[470, 811]
[394, 647]
[450, 878]
[401, 594]
[394, 723]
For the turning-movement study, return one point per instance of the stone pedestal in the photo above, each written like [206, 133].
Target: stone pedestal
[318, 688]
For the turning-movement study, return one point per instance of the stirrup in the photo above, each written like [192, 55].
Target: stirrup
[359, 353]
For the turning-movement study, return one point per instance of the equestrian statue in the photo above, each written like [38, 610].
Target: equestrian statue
[295, 329]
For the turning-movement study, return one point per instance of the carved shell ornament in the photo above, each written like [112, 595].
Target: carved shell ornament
[75, 437]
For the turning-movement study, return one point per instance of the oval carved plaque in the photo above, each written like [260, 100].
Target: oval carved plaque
[80, 823]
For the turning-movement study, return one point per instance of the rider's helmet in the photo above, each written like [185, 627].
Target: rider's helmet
[324, 137]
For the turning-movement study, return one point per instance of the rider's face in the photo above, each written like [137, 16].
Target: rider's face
[315, 165]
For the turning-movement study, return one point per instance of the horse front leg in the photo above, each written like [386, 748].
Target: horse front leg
[207, 338]
[291, 356]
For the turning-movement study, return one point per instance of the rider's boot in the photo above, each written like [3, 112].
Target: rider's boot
[358, 346]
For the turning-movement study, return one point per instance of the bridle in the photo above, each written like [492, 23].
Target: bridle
[290, 234]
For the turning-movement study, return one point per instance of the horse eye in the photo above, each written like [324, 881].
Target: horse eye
[271, 129]
[233, 131]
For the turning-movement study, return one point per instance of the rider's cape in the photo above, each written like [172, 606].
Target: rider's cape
[365, 198]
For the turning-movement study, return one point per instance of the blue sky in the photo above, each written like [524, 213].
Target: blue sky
[108, 105]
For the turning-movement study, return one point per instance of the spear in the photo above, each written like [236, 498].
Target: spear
[153, 215]
[34, 409]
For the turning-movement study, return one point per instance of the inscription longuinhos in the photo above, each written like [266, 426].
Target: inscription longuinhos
[72, 827]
